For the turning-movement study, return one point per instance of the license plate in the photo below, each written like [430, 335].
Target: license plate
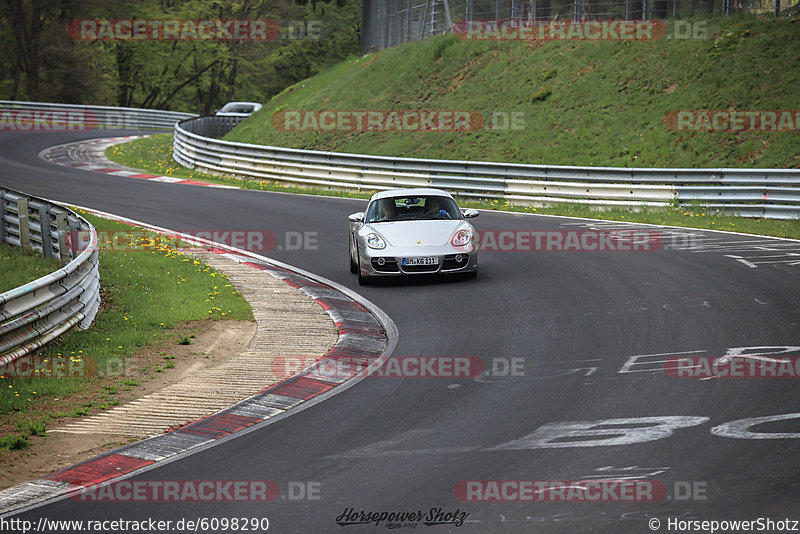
[421, 261]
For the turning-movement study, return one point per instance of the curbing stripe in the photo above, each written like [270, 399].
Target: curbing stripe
[98, 469]
[65, 155]
[220, 424]
[162, 447]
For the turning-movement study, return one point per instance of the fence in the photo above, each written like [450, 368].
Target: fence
[769, 193]
[40, 311]
[46, 116]
[387, 23]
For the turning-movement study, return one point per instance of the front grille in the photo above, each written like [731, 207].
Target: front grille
[420, 268]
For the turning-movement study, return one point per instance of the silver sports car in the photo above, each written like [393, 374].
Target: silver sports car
[411, 231]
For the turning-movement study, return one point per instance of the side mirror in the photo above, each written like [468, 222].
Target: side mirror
[356, 217]
[469, 214]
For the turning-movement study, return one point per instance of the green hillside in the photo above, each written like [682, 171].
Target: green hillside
[584, 102]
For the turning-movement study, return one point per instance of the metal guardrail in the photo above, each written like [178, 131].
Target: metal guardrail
[768, 193]
[38, 312]
[46, 116]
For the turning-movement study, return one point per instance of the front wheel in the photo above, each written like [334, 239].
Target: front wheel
[353, 263]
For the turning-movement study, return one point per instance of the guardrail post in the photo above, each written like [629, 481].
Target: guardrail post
[65, 255]
[47, 235]
[24, 223]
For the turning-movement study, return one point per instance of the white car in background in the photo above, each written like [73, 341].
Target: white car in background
[410, 232]
[238, 109]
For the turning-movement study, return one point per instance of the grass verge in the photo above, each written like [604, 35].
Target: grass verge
[147, 294]
[21, 266]
[579, 102]
[154, 154]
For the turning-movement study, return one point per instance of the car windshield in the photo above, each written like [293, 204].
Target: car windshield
[413, 209]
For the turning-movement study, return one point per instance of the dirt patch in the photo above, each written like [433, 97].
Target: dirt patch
[212, 343]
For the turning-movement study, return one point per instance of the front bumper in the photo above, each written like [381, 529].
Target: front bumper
[390, 262]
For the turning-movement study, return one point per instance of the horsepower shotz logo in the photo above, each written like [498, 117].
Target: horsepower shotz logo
[408, 519]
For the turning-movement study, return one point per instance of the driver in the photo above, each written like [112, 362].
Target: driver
[434, 208]
[388, 210]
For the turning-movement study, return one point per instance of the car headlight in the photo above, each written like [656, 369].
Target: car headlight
[375, 241]
[461, 238]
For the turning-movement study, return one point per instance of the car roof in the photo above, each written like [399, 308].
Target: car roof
[410, 192]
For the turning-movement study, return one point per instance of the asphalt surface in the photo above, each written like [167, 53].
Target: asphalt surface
[575, 319]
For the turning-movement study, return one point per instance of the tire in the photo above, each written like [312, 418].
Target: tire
[362, 280]
[353, 264]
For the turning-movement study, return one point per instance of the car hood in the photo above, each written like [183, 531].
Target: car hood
[433, 233]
